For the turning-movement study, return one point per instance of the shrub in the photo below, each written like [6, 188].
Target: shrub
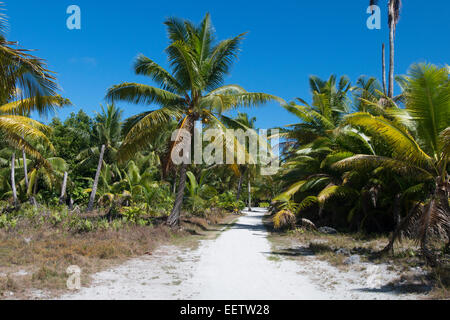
[133, 214]
[228, 202]
[81, 225]
[7, 223]
[284, 220]
[103, 224]
[264, 205]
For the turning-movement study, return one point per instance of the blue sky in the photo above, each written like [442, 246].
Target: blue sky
[288, 41]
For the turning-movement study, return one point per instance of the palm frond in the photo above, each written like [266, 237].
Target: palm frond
[147, 67]
[140, 93]
[402, 143]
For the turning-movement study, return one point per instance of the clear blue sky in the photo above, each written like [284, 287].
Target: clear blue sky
[288, 40]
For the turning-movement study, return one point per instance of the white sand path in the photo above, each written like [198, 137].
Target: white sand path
[239, 264]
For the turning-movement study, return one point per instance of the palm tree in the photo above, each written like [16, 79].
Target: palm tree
[19, 69]
[417, 138]
[191, 92]
[330, 102]
[247, 123]
[51, 176]
[26, 85]
[394, 7]
[319, 141]
[242, 121]
[106, 134]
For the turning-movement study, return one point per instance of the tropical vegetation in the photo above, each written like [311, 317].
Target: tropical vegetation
[359, 158]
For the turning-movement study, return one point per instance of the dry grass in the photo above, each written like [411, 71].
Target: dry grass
[405, 257]
[36, 257]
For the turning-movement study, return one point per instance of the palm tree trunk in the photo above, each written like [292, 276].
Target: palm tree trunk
[241, 179]
[62, 198]
[249, 193]
[13, 179]
[383, 65]
[70, 203]
[25, 170]
[175, 183]
[401, 225]
[97, 176]
[174, 218]
[27, 182]
[391, 57]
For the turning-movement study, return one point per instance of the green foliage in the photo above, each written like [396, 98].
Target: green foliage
[133, 215]
[284, 220]
[227, 201]
[7, 222]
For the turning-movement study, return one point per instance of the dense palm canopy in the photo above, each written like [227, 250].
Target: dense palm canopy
[381, 155]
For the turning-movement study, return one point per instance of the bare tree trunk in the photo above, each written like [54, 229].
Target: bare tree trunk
[399, 228]
[13, 179]
[249, 193]
[25, 170]
[97, 176]
[62, 198]
[383, 63]
[174, 218]
[175, 183]
[27, 182]
[241, 179]
[392, 52]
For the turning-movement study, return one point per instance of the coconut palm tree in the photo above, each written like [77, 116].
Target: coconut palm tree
[191, 92]
[243, 122]
[19, 69]
[26, 85]
[394, 7]
[417, 139]
[330, 102]
[50, 177]
[107, 137]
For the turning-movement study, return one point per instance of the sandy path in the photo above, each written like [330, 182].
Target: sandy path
[237, 265]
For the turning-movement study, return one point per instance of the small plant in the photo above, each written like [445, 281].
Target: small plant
[264, 205]
[7, 223]
[103, 224]
[81, 225]
[55, 218]
[117, 224]
[133, 214]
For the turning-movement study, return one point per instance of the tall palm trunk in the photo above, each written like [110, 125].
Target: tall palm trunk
[241, 179]
[174, 218]
[62, 198]
[13, 179]
[175, 183]
[392, 28]
[25, 170]
[249, 193]
[97, 176]
[27, 181]
[383, 66]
